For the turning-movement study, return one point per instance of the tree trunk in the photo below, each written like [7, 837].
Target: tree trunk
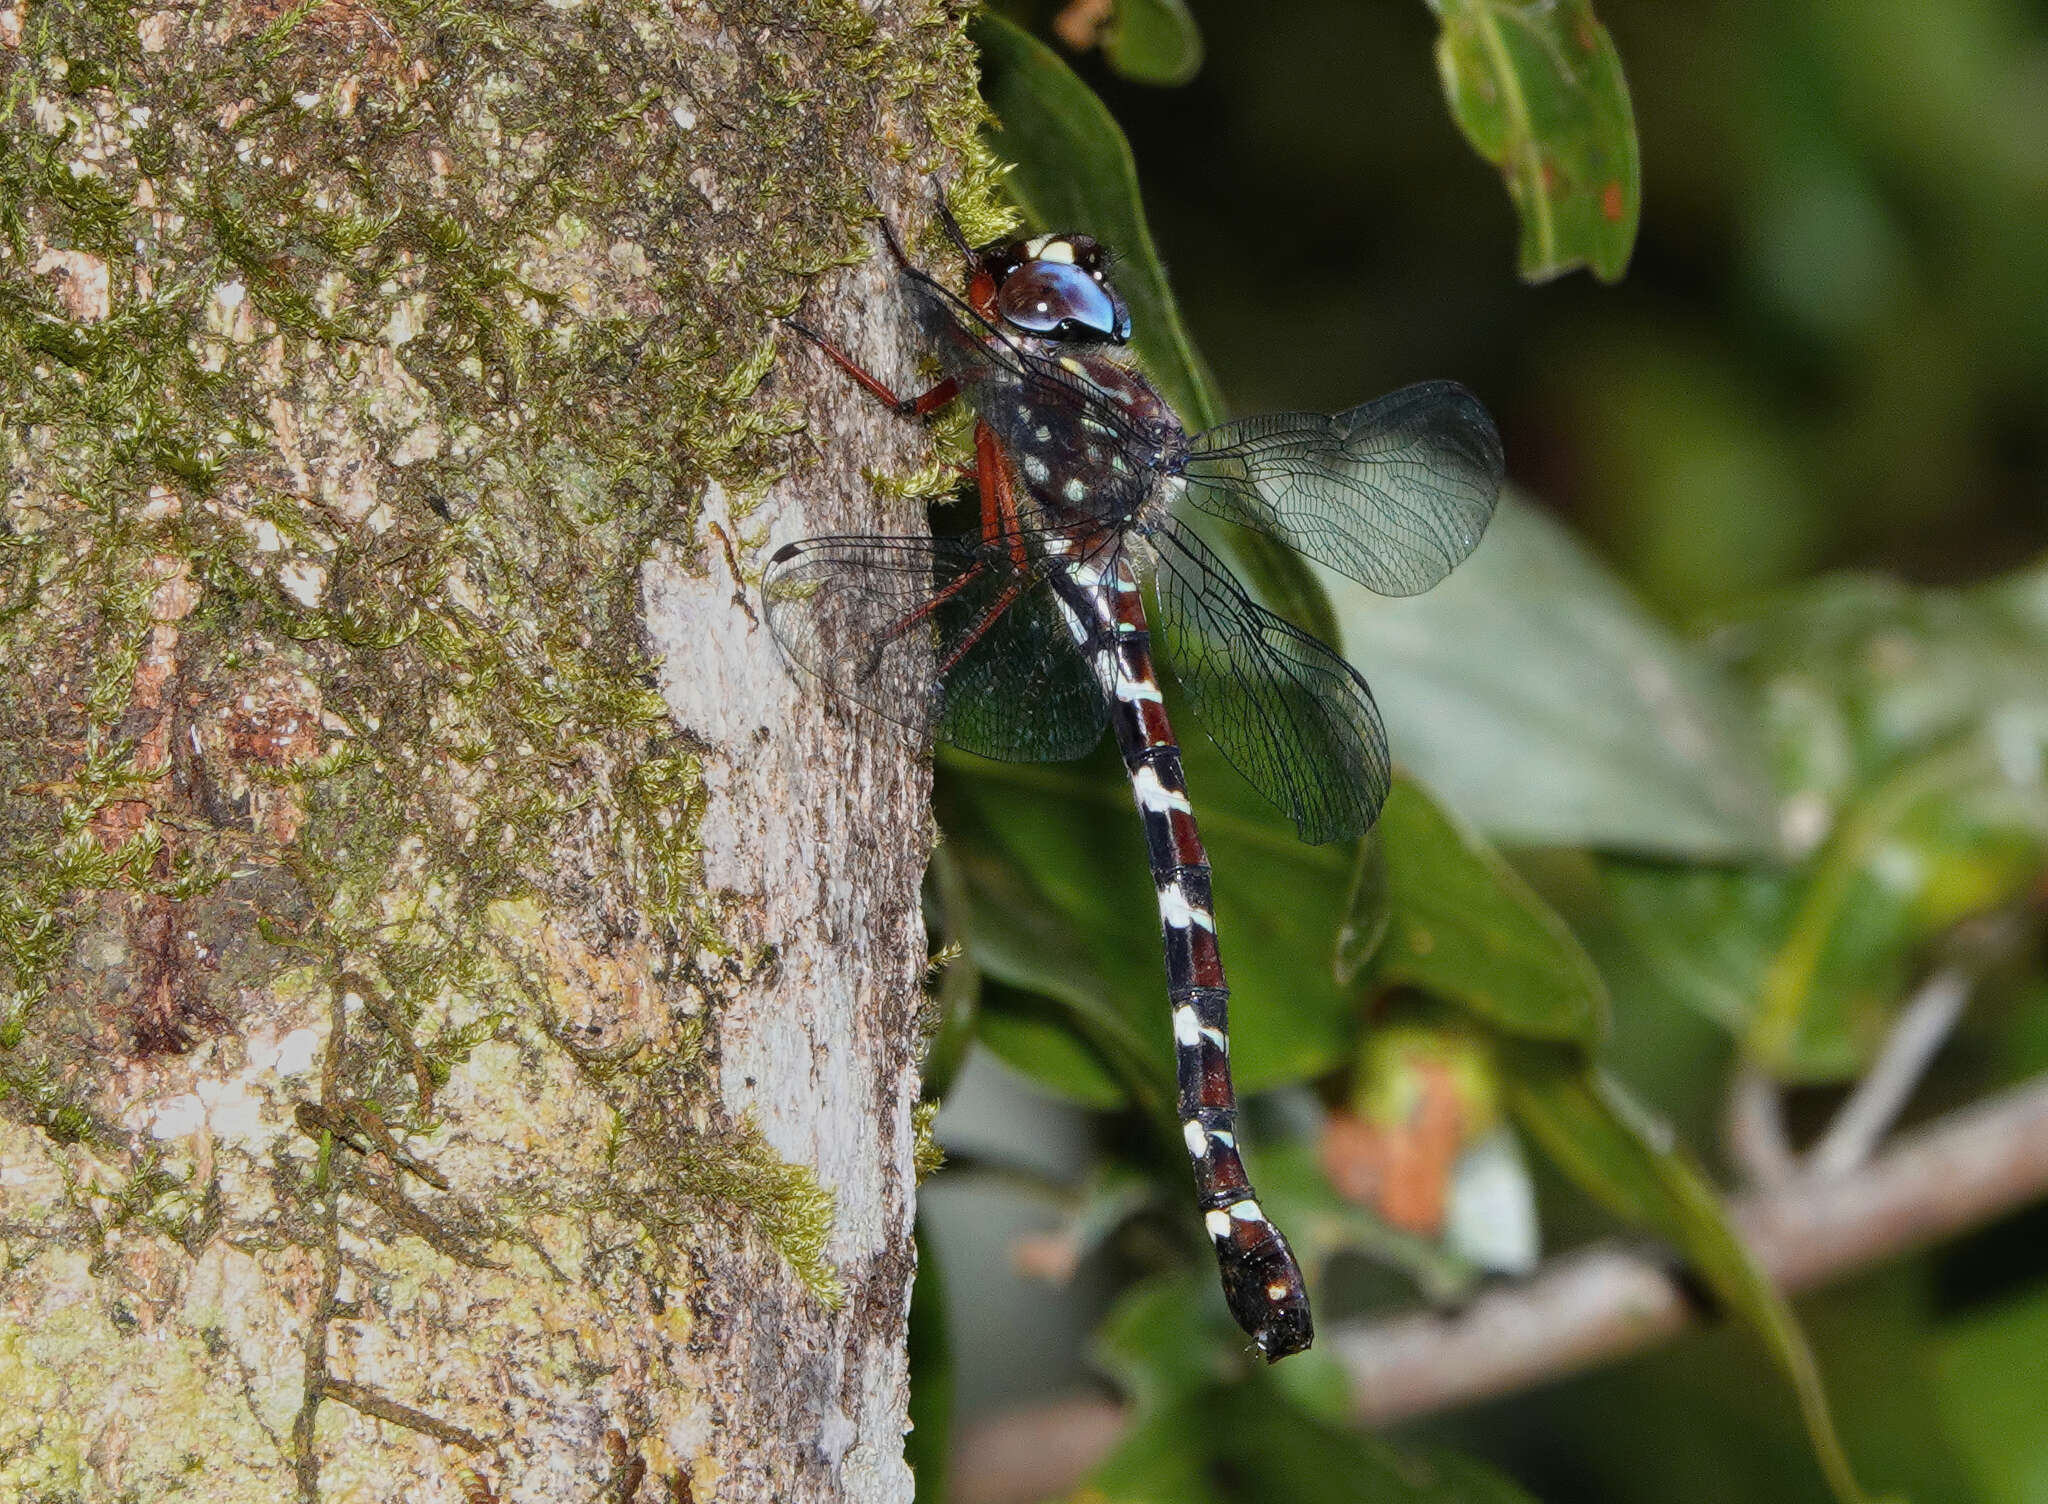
[461, 994]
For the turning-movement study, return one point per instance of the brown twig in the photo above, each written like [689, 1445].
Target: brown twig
[1603, 1302]
[369, 1402]
[1910, 1046]
[1753, 1129]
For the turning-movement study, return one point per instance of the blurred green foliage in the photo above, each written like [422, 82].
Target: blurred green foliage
[1908, 728]
[1536, 694]
[1203, 1435]
[1676, 796]
[1152, 41]
[1537, 88]
[1989, 1372]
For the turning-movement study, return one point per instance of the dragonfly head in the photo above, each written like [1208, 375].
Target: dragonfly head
[1051, 287]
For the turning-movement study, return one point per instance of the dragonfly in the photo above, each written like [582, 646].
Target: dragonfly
[1026, 635]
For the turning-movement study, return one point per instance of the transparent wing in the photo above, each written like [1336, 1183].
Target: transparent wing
[1393, 494]
[948, 637]
[1040, 408]
[1291, 715]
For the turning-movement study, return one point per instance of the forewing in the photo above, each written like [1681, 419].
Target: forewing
[1291, 715]
[1393, 494]
[944, 636]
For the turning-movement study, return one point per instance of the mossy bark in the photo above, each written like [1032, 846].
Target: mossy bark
[459, 997]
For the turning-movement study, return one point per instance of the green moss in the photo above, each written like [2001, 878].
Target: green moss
[793, 1211]
[34, 1093]
[927, 1156]
[664, 1164]
[664, 806]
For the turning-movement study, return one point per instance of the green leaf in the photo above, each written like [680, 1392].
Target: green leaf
[1209, 1428]
[1861, 673]
[1910, 729]
[1048, 1045]
[1989, 1383]
[1807, 968]
[929, 1444]
[1298, 1459]
[1365, 910]
[1534, 693]
[1705, 932]
[1065, 907]
[1161, 1459]
[1537, 88]
[1630, 1163]
[1153, 42]
[1167, 1339]
[1076, 1030]
[1463, 927]
[1166, 1344]
[1074, 171]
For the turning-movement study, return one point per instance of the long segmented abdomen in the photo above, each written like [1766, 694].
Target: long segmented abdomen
[1261, 1280]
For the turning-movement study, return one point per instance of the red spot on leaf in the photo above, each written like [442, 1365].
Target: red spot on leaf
[1612, 204]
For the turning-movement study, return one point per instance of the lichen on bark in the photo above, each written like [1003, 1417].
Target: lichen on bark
[378, 929]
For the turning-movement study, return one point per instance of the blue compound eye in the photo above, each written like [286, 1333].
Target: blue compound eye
[1062, 301]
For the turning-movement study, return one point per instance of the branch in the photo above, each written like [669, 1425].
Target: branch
[1605, 1302]
[1753, 1130]
[1915, 1039]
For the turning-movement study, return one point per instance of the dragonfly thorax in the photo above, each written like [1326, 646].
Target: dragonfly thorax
[1107, 448]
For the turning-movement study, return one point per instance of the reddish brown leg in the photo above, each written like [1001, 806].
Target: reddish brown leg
[988, 619]
[912, 618]
[999, 528]
[999, 524]
[904, 407]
